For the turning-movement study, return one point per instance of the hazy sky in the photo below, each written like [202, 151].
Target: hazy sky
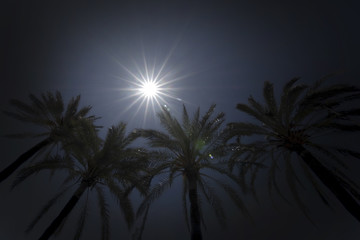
[211, 52]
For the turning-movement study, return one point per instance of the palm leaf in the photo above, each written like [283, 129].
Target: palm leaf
[72, 107]
[214, 201]
[154, 193]
[207, 115]
[268, 92]
[235, 197]
[186, 119]
[289, 173]
[246, 129]
[257, 106]
[54, 162]
[288, 103]
[137, 235]
[272, 182]
[123, 202]
[339, 126]
[352, 153]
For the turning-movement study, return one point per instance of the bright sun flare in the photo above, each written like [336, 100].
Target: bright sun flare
[149, 89]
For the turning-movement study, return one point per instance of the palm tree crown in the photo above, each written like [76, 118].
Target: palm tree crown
[291, 128]
[49, 113]
[95, 165]
[192, 150]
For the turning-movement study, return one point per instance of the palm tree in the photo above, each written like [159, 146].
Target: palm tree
[293, 127]
[192, 150]
[49, 113]
[95, 165]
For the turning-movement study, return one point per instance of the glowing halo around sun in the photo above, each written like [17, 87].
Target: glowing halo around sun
[151, 87]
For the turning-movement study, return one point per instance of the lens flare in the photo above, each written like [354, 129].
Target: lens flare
[149, 89]
[152, 86]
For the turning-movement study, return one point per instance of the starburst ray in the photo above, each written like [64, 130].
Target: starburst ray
[150, 86]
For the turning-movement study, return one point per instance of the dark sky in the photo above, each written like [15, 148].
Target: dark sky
[215, 52]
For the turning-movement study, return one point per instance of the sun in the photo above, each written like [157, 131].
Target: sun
[151, 86]
[150, 89]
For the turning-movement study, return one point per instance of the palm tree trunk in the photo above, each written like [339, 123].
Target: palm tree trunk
[194, 211]
[64, 212]
[4, 174]
[331, 181]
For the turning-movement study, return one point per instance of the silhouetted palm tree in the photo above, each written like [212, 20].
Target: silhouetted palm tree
[192, 150]
[47, 112]
[291, 128]
[95, 165]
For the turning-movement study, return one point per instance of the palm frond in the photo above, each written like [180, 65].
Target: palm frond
[38, 105]
[260, 114]
[81, 113]
[122, 200]
[137, 235]
[290, 180]
[268, 92]
[338, 102]
[352, 153]
[290, 169]
[26, 118]
[246, 129]
[158, 139]
[319, 190]
[272, 182]
[223, 171]
[154, 193]
[235, 197]
[326, 98]
[207, 115]
[171, 125]
[329, 154]
[350, 185]
[349, 113]
[54, 162]
[330, 92]
[214, 201]
[72, 107]
[29, 109]
[257, 106]
[196, 119]
[185, 118]
[289, 101]
[319, 83]
[289, 85]
[338, 126]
